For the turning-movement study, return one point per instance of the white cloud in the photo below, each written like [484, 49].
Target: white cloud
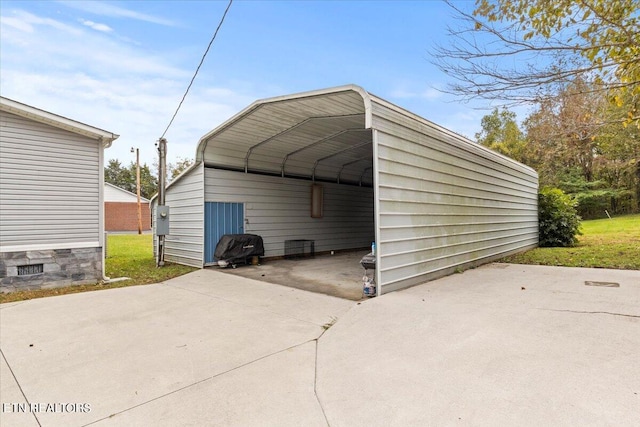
[17, 23]
[98, 27]
[106, 9]
[90, 77]
[404, 93]
[26, 22]
[431, 93]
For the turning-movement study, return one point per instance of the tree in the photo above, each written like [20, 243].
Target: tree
[125, 178]
[501, 133]
[116, 174]
[618, 161]
[574, 148]
[178, 167]
[563, 131]
[148, 181]
[521, 50]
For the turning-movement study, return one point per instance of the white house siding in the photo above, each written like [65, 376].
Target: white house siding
[50, 205]
[444, 203]
[278, 209]
[185, 243]
[50, 181]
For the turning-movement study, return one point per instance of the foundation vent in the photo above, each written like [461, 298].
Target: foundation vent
[26, 270]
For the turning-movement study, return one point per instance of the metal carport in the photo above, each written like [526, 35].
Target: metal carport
[433, 201]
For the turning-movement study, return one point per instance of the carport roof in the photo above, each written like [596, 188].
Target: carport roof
[324, 134]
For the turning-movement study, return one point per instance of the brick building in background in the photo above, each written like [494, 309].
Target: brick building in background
[121, 210]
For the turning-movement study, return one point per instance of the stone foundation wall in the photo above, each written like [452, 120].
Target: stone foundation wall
[61, 267]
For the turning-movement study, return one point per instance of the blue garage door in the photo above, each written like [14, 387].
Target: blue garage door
[220, 219]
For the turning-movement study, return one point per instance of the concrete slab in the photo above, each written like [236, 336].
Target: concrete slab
[275, 391]
[14, 410]
[117, 349]
[498, 345]
[339, 275]
[306, 306]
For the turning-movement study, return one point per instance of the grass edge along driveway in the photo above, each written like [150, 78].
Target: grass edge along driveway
[128, 255]
[605, 243]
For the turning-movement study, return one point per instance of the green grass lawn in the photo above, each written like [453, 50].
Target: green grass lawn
[131, 255]
[128, 255]
[605, 243]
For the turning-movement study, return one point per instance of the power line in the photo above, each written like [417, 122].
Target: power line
[197, 69]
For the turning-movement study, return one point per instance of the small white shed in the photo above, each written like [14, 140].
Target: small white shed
[433, 201]
[51, 198]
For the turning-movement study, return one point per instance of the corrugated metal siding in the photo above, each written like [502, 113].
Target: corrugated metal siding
[444, 203]
[49, 185]
[278, 209]
[268, 129]
[185, 244]
[220, 218]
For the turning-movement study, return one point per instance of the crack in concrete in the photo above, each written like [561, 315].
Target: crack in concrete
[19, 386]
[200, 382]
[593, 312]
[315, 382]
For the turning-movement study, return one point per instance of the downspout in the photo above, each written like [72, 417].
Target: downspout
[103, 234]
[102, 237]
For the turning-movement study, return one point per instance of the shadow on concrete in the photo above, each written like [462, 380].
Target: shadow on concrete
[338, 275]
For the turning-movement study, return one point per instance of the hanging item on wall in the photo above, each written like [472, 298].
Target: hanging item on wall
[317, 201]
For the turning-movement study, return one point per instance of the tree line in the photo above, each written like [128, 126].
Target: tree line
[576, 63]
[571, 143]
[125, 176]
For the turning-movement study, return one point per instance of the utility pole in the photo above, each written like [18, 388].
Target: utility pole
[162, 166]
[138, 189]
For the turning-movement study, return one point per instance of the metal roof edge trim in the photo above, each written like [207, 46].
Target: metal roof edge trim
[202, 144]
[176, 179]
[55, 120]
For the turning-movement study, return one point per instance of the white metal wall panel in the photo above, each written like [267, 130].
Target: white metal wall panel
[49, 185]
[185, 243]
[278, 209]
[445, 203]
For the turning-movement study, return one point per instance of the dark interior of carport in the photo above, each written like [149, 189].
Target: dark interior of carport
[318, 138]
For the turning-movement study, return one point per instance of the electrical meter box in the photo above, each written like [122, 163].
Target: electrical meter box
[162, 220]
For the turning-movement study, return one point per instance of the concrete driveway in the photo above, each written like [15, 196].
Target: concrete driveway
[498, 345]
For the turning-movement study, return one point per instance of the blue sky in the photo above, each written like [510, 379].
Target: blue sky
[123, 66]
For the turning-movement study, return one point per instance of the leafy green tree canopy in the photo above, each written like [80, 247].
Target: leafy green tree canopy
[125, 178]
[501, 133]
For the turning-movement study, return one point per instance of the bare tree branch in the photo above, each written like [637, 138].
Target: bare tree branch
[514, 61]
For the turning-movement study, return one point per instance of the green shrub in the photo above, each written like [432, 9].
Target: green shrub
[558, 218]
